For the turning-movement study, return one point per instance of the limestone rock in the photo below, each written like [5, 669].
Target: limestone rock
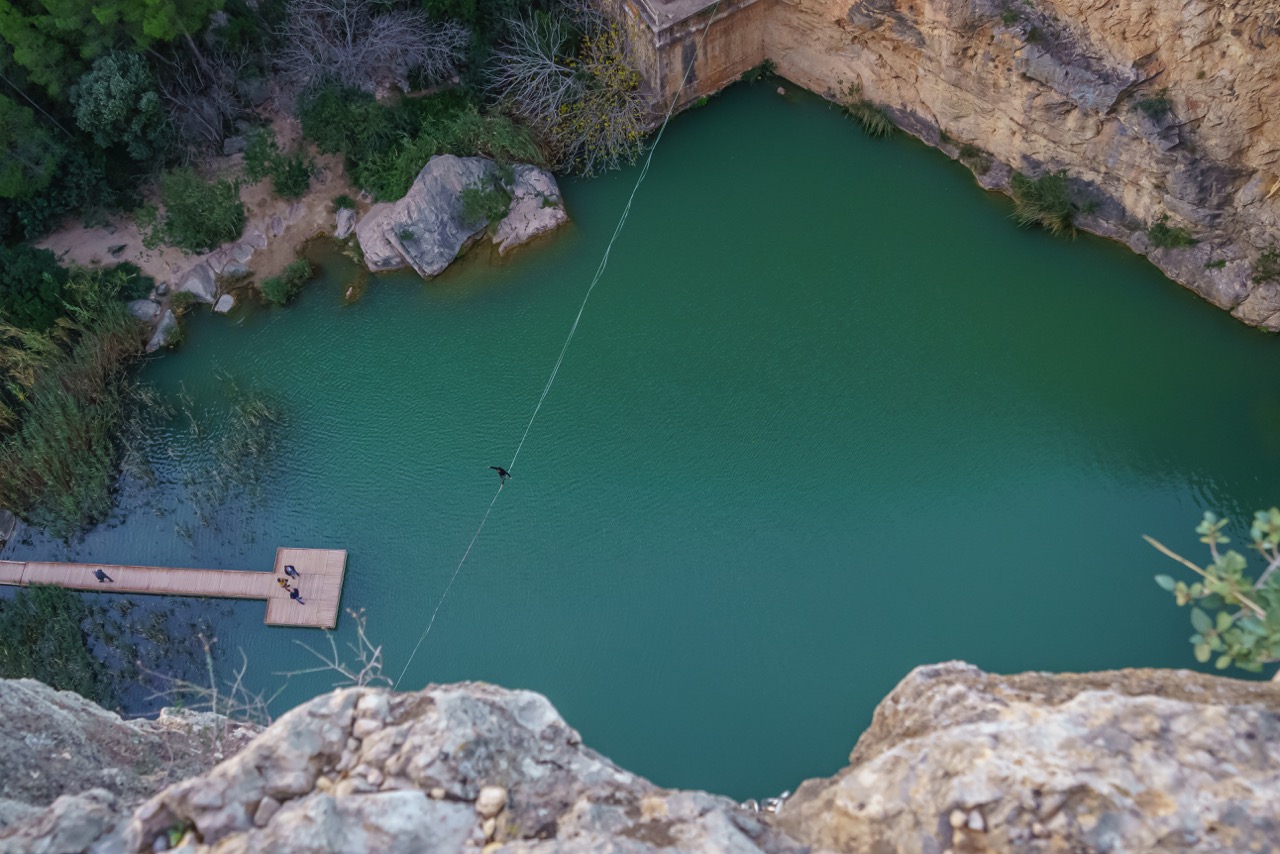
[536, 208]
[460, 743]
[346, 223]
[200, 281]
[1132, 760]
[166, 329]
[425, 230]
[56, 743]
[225, 303]
[144, 309]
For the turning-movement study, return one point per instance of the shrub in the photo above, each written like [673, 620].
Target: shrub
[874, 120]
[1156, 106]
[31, 286]
[1267, 266]
[258, 153]
[289, 173]
[283, 288]
[568, 76]
[1043, 201]
[198, 215]
[79, 185]
[1009, 17]
[975, 158]
[1165, 236]
[117, 103]
[486, 202]
[1233, 616]
[66, 396]
[1216, 264]
[344, 202]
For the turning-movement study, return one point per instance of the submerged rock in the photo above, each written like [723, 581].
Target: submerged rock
[225, 303]
[426, 230]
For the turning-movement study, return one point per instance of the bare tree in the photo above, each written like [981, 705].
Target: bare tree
[200, 93]
[359, 45]
[365, 670]
[568, 76]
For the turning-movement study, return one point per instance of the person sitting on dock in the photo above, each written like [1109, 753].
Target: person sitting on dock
[503, 474]
[290, 571]
[296, 595]
[102, 576]
[283, 583]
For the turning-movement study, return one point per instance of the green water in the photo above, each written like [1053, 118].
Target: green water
[829, 416]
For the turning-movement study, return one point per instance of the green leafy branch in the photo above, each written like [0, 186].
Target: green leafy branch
[1235, 618]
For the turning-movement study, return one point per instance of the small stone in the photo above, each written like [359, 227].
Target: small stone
[144, 309]
[436, 794]
[267, 807]
[1038, 830]
[374, 706]
[781, 91]
[324, 784]
[958, 819]
[489, 827]
[976, 822]
[374, 776]
[365, 727]
[353, 745]
[491, 801]
[224, 304]
[116, 250]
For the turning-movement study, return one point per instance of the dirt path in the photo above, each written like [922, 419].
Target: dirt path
[275, 228]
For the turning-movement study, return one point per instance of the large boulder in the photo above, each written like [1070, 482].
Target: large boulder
[426, 230]
[536, 208]
[201, 282]
[166, 331]
[1131, 760]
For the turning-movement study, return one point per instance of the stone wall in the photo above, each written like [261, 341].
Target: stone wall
[1047, 85]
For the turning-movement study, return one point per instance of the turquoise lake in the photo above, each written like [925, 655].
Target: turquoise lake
[829, 416]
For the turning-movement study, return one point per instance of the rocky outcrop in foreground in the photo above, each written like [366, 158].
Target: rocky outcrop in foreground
[57, 748]
[427, 229]
[955, 759]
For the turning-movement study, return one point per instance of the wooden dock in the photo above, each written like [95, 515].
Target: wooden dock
[320, 578]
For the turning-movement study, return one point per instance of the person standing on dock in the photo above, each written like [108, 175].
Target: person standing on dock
[296, 595]
[102, 576]
[283, 583]
[290, 571]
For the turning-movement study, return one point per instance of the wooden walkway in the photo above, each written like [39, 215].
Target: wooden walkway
[320, 573]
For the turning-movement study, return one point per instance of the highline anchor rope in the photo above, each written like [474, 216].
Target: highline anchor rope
[546, 389]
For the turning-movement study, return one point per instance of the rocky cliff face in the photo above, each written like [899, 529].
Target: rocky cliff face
[1155, 109]
[1158, 111]
[955, 759]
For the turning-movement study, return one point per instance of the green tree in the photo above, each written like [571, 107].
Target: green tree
[117, 103]
[31, 154]
[31, 286]
[1235, 619]
[53, 39]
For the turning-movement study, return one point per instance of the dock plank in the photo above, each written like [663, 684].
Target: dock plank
[321, 573]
